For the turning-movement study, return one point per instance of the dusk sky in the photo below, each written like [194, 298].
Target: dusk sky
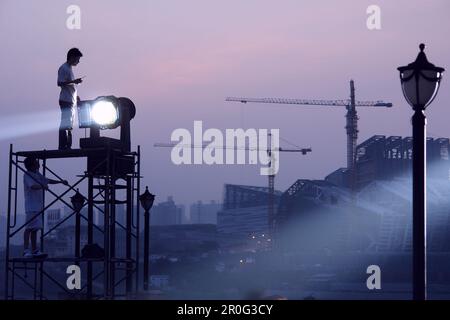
[178, 60]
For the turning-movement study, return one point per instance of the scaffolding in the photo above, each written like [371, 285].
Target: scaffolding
[112, 275]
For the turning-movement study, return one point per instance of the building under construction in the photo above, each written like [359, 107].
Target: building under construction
[376, 214]
[383, 158]
[381, 162]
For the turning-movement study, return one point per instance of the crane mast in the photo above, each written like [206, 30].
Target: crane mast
[351, 126]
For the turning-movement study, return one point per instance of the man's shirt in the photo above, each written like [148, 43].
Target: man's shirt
[34, 198]
[68, 91]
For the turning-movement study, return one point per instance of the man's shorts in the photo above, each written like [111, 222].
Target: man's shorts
[34, 224]
[67, 115]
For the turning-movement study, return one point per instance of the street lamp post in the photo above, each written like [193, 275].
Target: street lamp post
[77, 201]
[146, 199]
[420, 83]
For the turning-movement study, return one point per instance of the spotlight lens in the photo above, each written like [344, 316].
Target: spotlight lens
[104, 113]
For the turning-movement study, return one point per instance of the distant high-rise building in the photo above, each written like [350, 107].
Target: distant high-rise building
[182, 215]
[53, 217]
[167, 213]
[204, 213]
[71, 221]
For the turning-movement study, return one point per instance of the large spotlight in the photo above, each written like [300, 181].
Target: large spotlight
[106, 112]
[103, 113]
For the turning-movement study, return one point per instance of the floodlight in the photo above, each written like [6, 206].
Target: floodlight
[106, 112]
[102, 113]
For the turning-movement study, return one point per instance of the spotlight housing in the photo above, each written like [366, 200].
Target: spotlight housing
[106, 112]
[102, 113]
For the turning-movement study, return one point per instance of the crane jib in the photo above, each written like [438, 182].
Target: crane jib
[312, 102]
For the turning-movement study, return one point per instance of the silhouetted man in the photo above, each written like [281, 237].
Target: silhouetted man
[68, 97]
[33, 185]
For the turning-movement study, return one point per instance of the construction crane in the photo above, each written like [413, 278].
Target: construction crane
[271, 175]
[351, 116]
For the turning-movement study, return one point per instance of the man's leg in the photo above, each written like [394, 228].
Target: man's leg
[62, 127]
[65, 136]
[70, 125]
[62, 139]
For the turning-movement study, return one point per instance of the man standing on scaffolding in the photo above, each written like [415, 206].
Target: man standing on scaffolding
[33, 185]
[68, 97]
